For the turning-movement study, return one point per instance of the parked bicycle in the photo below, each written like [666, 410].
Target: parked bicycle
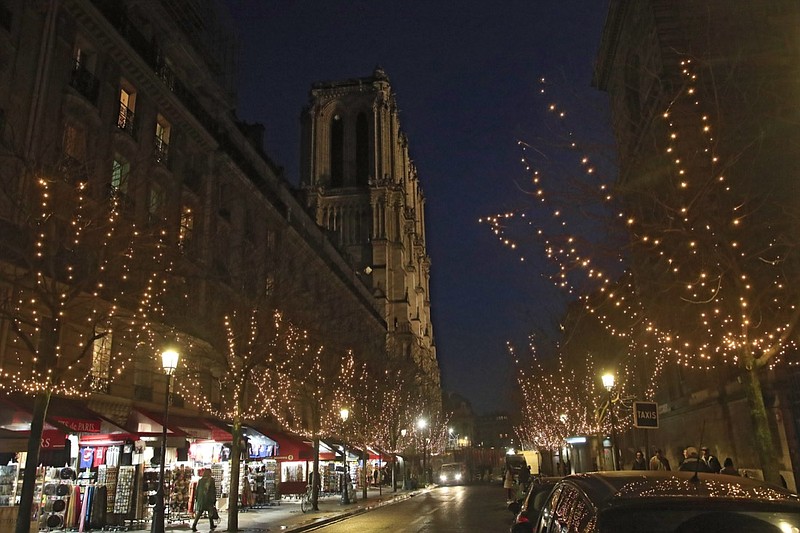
[306, 503]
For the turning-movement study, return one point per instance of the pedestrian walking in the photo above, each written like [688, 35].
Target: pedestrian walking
[205, 499]
[728, 468]
[639, 462]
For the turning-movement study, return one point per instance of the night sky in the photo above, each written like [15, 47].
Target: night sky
[466, 76]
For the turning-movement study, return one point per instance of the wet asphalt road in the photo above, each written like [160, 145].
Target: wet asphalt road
[458, 509]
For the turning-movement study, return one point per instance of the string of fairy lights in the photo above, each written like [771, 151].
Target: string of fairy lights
[64, 302]
[706, 282]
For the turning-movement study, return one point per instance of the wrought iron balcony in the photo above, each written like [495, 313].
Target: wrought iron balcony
[125, 120]
[85, 82]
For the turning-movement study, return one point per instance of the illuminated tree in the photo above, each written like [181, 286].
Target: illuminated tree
[73, 275]
[240, 355]
[712, 255]
[558, 401]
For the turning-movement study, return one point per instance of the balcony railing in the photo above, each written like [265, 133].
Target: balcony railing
[161, 152]
[85, 82]
[125, 120]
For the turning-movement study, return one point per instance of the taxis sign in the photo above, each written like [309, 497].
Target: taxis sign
[645, 415]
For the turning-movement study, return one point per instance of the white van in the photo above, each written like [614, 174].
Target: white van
[453, 474]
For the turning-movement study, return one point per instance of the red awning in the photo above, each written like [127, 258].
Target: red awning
[220, 431]
[290, 447]
[182, 425]
[18, 411]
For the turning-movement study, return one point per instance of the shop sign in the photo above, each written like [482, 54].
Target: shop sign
[79, 425]
[52, 438]
[289, 457]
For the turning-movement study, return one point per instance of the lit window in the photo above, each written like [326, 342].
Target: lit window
[120, 169]
[187, 227]
[127, 104]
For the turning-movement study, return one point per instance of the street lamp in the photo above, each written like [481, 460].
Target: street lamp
[345, 414]
[169, 362]
[422, 424]
[608, 383]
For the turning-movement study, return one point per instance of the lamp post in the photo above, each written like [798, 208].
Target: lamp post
[345, 414]
[422, 424]
[608, 383]
[403, 433]
[169, 362]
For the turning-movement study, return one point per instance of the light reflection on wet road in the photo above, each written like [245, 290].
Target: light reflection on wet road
[459, 509]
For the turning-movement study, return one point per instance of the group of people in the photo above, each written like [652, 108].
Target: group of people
[520, 484]
[691, 462]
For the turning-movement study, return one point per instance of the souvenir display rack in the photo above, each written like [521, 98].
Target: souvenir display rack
[262, 484]
[8, 484]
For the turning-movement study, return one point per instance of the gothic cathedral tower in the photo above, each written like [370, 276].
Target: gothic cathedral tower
[362, 187]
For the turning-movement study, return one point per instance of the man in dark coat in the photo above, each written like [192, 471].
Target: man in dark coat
[692, 462]
[639, 463]
[710, 460]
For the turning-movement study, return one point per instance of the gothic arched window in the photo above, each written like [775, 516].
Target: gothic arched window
[337, 151]
[362, 149]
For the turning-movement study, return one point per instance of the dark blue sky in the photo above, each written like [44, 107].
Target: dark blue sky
[466, 78]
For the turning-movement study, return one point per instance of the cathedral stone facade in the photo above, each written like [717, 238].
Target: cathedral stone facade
[362, 187]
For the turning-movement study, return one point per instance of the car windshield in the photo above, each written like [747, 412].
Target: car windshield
[699, 521]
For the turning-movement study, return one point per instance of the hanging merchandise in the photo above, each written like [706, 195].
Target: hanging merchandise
[179, 496]
[87, 457]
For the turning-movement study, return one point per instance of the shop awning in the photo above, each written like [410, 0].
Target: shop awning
[220, 431]
[149, 423]
[13, 441]
[63, 414]
[290, 447]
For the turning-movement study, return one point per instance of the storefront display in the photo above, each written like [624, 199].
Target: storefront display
[8, 484]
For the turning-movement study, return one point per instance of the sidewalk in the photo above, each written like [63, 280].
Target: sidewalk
[288, 518]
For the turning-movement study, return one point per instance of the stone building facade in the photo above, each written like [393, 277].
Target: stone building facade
[360, 184]
[136, 100]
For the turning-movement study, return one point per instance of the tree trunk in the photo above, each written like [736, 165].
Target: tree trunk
[236, 459]
[762, 433]
[40, 404]
[365, 456]
[315, 477]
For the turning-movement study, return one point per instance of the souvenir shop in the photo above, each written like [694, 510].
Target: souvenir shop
[61, 498]
[96, 475]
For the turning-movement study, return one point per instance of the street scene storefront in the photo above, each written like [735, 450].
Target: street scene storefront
[98, 474]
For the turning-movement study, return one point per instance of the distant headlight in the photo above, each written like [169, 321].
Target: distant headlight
[458, 477]
[443, 477]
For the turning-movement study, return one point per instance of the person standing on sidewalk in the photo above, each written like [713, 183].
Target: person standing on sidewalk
[508, 484]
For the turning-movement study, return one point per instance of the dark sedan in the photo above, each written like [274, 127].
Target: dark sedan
[526, 511]
[661, 502]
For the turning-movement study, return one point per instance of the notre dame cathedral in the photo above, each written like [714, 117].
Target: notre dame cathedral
[362, 187]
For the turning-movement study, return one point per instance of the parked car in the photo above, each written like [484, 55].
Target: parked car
[660, 502]
[526, 511]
